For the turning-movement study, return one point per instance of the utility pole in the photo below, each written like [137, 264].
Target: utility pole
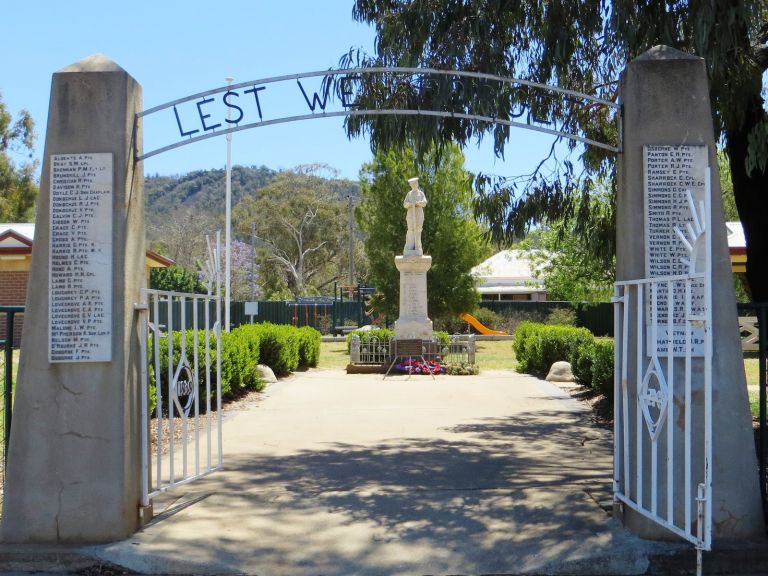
[228, 218]
[351, 243]
[253, 261]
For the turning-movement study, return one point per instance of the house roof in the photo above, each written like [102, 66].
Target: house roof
[507, 268]
[16, 236]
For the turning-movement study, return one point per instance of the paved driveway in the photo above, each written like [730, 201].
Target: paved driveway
[330, 473]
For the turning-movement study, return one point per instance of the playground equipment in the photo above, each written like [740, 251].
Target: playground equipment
[479, 326]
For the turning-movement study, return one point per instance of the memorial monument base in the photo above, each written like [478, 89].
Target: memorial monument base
[413, 322]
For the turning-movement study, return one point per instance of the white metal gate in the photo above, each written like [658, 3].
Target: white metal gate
[663, 400]
[181, 360]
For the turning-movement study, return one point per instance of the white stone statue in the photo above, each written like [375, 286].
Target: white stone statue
[414, 203]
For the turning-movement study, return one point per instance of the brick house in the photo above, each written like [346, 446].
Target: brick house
[15, 260]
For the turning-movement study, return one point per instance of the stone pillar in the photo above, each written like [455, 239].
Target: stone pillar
[74, 460]
[413, 322]
[665, 101]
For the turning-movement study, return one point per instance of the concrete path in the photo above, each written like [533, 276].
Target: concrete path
[332, 473]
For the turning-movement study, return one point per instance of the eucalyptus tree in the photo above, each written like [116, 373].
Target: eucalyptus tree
[301, 228]
[581, 45]
[18, 189]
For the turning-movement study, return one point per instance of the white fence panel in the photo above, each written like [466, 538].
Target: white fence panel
[181, 439]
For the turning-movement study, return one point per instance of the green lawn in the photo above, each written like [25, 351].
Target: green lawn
[333, 355]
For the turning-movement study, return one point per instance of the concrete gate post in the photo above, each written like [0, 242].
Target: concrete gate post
[665, 101]
[74, 459]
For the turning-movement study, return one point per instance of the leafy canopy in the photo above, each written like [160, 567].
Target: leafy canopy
[580, 45]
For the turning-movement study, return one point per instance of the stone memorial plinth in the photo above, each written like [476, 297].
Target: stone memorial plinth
[74, 461]
[413, 322]
[413, 265]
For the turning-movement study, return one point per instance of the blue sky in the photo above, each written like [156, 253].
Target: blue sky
[175, 49]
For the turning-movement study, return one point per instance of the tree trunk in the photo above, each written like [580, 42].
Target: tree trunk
[751, 194]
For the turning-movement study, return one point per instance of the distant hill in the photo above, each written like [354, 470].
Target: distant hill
[203, 191]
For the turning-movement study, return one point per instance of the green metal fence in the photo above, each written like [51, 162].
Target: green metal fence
[329, 316]
[9, 317]
[326, 317]
[597, 318]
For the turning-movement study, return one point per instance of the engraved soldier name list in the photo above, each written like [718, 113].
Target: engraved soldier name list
[674, 198]
[80, 258]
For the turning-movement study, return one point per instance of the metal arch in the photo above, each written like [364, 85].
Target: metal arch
[393, 70]
[435, 113]
[375, 70]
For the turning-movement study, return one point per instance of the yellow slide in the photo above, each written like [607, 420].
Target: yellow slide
[479, 326]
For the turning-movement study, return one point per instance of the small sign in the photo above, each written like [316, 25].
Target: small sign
[409, 347]
[251, 308]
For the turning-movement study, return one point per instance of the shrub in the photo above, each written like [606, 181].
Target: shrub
[309, 346]
[442, 337]
[242, 347]
[562, 317]
[279, 347]
[538, 346]
[383, 334]
[524, 343]
[602, 367]
[488, 317]
[450, 324]
[190, 358]
[581, 362]
[462, 369]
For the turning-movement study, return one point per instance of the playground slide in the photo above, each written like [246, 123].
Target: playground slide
[479, 326]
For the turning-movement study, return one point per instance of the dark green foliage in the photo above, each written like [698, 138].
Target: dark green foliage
[489, 318]
[538, 346]
[603, 362]
[18, 188]
[580, 45]
[562, 317]
[309, 346]
[189, 342]
[240, 353]
[176, 279]
[239, 358]
[279, 347]
[450, 324]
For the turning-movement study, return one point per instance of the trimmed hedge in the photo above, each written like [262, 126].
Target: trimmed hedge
[279, 346]
[309, 347]
[283, 348]
[239, 357]
[538, 346]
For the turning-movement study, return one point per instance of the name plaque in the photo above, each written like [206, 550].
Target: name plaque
[80, 258]
[675, 190]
